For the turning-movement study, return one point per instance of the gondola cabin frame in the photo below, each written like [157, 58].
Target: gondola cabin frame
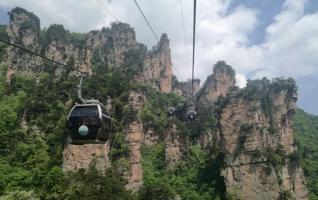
[89, 124]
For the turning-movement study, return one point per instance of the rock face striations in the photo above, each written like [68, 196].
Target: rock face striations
[115, 47]
[134, 138]
[254, 126]
[256, 133]
[24, 30]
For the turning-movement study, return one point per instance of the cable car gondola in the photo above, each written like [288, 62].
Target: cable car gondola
[191, 114]
[171, 111]
[89, 124]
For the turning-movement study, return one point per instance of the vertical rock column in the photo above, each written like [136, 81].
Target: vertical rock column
[134, 138]
[158, 66]
[292, 175]
[23, 30]
[217, 84]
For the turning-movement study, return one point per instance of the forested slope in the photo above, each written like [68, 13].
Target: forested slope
[306, 127]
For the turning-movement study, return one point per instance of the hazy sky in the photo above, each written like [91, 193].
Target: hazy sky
[257, 37]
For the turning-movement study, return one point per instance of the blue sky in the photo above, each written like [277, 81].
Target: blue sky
[257, 37]
[268, 9]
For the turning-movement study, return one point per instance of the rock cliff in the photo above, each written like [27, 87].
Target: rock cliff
[24, 30]
[256, 133]
[115, 47]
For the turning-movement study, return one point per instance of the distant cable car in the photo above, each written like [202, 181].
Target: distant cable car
[171, 111]
[191, 114]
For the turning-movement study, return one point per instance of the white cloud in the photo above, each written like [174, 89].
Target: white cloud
[221, 35]
[291, 42]
[240, 80]
[77, 16]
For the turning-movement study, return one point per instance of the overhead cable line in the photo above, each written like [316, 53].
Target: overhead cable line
[193, 47]
[107, 10]
[150, 27]
[44, 57]
[146, 20]
[183, 26]
[184, 31]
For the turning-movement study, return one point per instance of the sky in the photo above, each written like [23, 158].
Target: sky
[271, 38]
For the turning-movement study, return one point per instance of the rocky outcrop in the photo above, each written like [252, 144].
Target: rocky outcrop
[256, 131]
[217, 84]
[158, 66]
[114, 47]
[24, 27]
[60, 45]
[24, 30]
[77, 157]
